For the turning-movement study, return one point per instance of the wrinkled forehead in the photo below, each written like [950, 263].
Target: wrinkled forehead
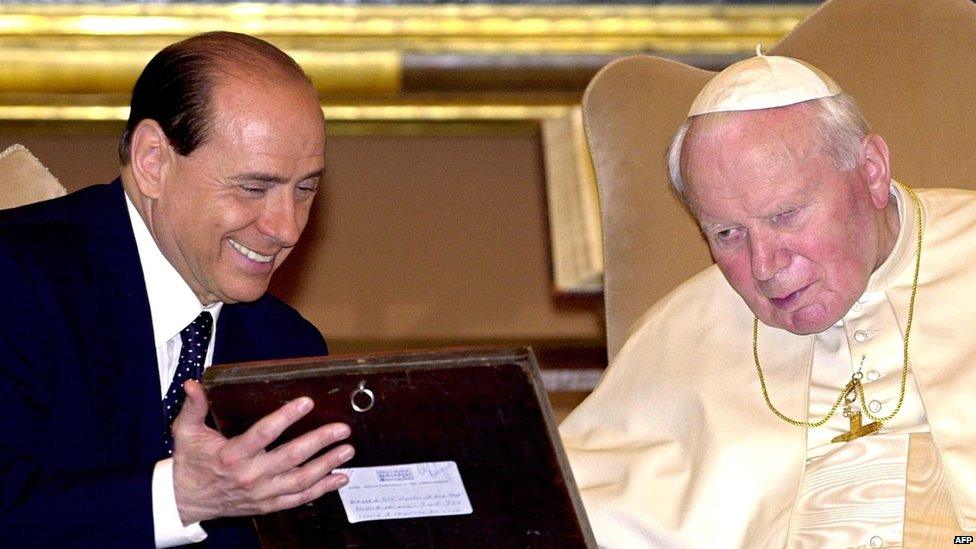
[758, 124]
[786, 133]
[725, 150]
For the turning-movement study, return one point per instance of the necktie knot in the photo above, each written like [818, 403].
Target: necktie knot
[196, 336]
[193, 354]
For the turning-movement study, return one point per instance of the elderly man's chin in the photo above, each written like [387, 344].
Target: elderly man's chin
[809, 319]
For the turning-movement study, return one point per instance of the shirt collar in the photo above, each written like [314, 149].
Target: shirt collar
[172, 304]
[903, 252]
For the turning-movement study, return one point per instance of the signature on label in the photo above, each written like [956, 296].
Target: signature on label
[436, 470]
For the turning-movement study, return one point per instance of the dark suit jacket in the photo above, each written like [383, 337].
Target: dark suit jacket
[80, 411]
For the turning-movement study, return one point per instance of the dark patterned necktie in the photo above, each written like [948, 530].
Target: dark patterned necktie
[196, 340]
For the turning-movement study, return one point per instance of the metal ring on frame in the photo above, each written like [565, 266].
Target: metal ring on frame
[362, 390]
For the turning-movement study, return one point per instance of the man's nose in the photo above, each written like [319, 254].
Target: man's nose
[279, 220]
[768, 255]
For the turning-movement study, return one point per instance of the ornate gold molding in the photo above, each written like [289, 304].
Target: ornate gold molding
[426, 27]
[405, 64]
[362, 52]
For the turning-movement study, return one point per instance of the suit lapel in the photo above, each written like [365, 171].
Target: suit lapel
[233, 343]
[125, 349]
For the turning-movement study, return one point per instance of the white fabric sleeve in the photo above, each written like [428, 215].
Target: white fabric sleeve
[167, 526]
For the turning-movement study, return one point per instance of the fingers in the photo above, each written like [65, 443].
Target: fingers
[267, 429]
[286, 465]
[327, 484]
[312, 480]
[298, 451]
[313, 472]
[216, 476]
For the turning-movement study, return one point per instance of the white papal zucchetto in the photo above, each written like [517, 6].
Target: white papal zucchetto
[763, 82]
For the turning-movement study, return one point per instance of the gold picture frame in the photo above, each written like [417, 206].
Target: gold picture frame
[412, 64]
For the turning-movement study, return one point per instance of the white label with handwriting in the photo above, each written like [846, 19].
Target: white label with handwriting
[404, 491]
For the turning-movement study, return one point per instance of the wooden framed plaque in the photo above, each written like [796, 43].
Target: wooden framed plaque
[453, 447]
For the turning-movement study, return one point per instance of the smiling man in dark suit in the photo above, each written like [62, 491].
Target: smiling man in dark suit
[112, 297]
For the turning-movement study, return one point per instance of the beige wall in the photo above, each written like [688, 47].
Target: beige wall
[416, 241]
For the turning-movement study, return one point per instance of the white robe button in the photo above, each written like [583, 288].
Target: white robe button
[874, 406]
[873, 375]
[877, 542]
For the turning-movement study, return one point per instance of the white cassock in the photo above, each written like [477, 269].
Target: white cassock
[676, 446]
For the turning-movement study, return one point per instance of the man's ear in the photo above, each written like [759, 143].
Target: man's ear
[875, 164]
[151, 158]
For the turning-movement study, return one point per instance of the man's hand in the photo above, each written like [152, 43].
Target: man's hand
[218, 477]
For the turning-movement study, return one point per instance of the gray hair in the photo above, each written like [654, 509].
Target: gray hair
[842, 127]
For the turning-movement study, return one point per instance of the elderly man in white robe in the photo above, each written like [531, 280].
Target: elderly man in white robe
[814, 387]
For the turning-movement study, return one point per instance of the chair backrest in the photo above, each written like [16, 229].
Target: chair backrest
[23, 179]
[908, 63]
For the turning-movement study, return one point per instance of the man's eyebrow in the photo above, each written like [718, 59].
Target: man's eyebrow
[257, 176]
[708, 226]
[265, 177]
[317, 174]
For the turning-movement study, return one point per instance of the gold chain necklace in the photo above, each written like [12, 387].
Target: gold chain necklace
[854, 387]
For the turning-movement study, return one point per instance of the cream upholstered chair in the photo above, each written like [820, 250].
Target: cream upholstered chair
[23, 179]
[909, 64]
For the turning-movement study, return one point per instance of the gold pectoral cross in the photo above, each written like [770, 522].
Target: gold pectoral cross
[857, 430]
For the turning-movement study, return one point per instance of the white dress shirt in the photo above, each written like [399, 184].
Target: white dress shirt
[173, 306]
